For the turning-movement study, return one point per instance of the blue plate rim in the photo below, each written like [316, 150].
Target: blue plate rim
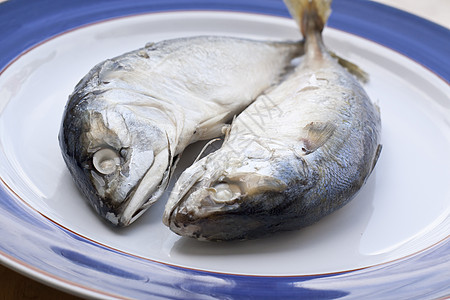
[349, 16]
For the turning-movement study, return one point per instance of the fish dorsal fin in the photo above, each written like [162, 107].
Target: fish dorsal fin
[316, 135]
[351, 67]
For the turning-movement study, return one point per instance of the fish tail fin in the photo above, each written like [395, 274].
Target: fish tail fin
[310, 15]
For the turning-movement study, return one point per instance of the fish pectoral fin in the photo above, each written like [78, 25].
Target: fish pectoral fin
[351, 67]
[211, 128]
[317, 134]
[182, 189]
[226, 130]
[205, 148]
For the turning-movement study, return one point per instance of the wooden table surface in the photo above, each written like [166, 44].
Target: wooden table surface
[16, 286]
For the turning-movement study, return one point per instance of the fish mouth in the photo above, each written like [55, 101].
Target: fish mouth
[147, 191]
[182, 191]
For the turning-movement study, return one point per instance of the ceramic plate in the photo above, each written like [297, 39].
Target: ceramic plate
[391, 241]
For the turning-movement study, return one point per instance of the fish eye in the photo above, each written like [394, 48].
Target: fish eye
[106, 161]
[225, 193]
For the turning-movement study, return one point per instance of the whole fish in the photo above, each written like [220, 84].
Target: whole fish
[130, 117]
[296, 154]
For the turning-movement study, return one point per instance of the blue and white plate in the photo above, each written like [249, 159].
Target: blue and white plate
[391, 241]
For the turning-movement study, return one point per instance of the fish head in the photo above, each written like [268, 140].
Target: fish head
[120, 161]
[230, 195]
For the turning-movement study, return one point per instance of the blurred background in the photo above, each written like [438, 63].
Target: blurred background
[437, 11]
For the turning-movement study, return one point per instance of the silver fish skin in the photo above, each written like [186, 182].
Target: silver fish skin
[295, 155]
[131, 116]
